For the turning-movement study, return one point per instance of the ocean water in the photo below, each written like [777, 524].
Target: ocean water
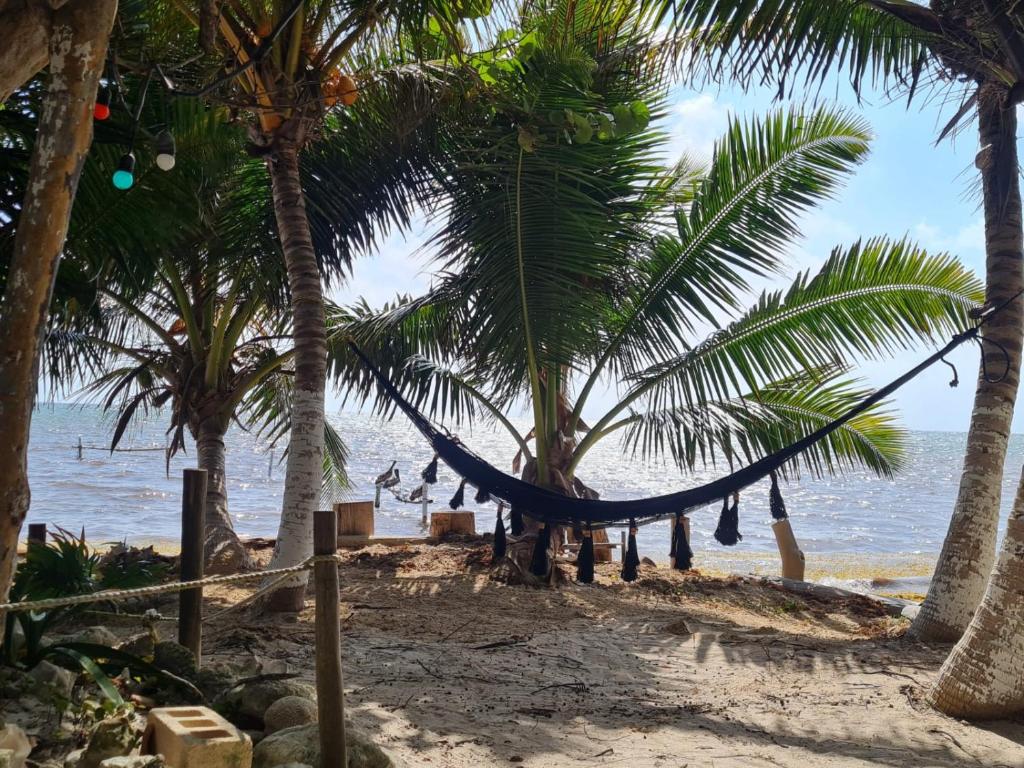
[131, 496]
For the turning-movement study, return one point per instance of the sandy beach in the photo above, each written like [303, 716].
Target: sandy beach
[447, 667]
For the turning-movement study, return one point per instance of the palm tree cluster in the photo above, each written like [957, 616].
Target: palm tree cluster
[569, 255]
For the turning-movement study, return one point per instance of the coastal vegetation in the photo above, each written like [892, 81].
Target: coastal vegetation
[573, 264]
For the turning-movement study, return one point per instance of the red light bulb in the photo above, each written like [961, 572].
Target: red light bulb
[101, 110]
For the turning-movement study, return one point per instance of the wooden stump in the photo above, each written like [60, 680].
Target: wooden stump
[789, 550]
[601, 554]
[355, 518]
[442, 523]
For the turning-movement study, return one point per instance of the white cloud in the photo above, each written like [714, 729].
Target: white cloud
[695, 124]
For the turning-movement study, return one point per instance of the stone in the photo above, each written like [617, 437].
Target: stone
[175, 658]
[58, 679]
[301, 744]
[141, 644]
[288, 712]
[910, 611]
[113, 737]
[253, 699]
[14, 740]
[98, 635]
[195, 737]
[134, 761]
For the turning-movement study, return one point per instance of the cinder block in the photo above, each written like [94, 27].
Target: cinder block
[195, 737]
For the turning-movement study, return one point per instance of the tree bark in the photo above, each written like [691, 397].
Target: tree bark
[983, 678]
[24, 35]
[224, 552]
[77, 48]
[304, 470]
[969, 548]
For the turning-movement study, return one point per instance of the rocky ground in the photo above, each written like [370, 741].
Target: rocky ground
[447, 666]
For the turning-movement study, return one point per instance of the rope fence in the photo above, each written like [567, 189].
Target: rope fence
[113, 595]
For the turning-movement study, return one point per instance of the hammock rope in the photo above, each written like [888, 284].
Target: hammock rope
[550, 508]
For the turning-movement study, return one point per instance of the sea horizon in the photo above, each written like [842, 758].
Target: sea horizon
[851, 526]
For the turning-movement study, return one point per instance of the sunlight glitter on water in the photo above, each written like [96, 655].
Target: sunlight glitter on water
[128, 495]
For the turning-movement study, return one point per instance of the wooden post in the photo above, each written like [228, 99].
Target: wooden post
[789, 550]
[622, 549]
[37, 533]
[270, 466]
[424, 514]
[193, 524]
[330, 702]
[79, 447]
[376, 497]
[443, 523]
[355, 518]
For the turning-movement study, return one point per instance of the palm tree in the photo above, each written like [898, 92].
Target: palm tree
[571, 257]
[977, 47]
[289, 61]
[72, 38]
[199, 342]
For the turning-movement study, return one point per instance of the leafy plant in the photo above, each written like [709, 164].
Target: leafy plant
[67, 566]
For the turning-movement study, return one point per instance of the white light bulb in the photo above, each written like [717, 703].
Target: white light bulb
[165, 162]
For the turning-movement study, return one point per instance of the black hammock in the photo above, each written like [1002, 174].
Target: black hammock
[550, 507]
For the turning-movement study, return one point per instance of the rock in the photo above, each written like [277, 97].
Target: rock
[97, 635]
[648, 562]
[175, 658]
[14, 740]
[254, 699]
[302, 745]
[60, 680]
[141, 644]
[134, 761]
[113, 737]
[287, 712]
[910, 611]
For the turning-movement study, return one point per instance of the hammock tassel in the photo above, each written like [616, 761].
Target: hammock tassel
[539, 564]
[482, 496]
[515, 522]
[429, 473]
[631, 560]
[585, 558]
[728, 531]
[460, 496]
[776, 503]
[500, 542]
[682, 553]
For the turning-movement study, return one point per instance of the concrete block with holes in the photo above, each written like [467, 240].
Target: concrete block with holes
[195, 737]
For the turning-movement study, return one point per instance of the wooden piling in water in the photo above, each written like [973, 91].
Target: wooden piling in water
[193, 525]
[37, 533]
[329, 691]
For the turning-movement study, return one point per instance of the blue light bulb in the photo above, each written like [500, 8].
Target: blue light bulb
[124, 176]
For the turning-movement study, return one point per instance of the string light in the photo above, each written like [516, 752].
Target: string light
[165, 150]
[124, 176]
[101, 109]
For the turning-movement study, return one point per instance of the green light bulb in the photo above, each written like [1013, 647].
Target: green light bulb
[123, 179]
[124, 176]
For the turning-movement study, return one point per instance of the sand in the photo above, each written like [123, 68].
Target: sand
[447, 667]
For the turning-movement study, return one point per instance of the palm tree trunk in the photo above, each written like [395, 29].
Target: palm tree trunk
[304, 471]
[969, 548]
[26, 34]
[983, 678]
[224, 552]
[77, 49]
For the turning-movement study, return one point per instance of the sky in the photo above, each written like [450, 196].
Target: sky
[908, 186]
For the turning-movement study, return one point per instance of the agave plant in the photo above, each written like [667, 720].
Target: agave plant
[571, 258]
